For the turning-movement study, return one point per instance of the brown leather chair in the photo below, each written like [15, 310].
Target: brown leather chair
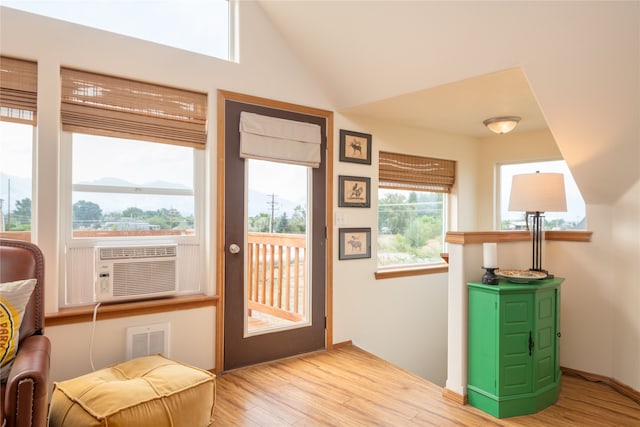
[25, 394]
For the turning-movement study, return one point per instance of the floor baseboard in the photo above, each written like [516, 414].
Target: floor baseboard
[621, 388]
[452, 395]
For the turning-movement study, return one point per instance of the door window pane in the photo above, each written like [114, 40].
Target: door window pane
[277, 288]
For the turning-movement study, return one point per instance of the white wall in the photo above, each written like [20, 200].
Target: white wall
[509, 148]
[191, 340]
[403, 320]
[588, 297]
[626, 288]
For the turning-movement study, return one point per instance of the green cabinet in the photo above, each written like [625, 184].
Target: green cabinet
[514, 335]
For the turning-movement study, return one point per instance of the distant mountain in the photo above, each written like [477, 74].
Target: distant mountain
[117, 182]
[260, 203]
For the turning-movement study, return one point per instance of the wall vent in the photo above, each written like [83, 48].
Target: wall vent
[148, 340]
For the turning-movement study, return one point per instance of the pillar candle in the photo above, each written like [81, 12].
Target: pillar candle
[490, 255]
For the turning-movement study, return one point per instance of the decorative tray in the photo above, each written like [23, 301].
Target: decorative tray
[521, 276]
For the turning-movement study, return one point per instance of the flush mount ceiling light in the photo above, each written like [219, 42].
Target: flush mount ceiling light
[502, 124]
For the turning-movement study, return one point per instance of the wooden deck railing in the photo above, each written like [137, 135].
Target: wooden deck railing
[276, 274]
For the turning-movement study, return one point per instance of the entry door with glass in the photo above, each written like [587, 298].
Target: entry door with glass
[275, 247]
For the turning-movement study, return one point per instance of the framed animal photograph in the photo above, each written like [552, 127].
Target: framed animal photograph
[354, 243]
[354, 192]
[355, 147]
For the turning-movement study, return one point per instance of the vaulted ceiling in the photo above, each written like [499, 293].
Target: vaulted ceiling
[573, 67]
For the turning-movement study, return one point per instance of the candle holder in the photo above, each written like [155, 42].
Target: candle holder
[489, 277]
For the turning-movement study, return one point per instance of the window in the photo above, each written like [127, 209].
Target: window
[573, 219]
[16, 146]
[412, 209]
[134, 154]
[201, 26]
[18, 104]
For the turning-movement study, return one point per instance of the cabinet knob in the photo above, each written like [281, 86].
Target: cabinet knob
[558, 334]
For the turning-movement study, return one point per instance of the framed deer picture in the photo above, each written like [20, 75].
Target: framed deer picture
[354, 243]
[354, 192]
[355, 147]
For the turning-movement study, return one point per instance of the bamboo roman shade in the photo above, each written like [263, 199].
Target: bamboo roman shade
[18, 90]
[112, 106]
[408, 172]
[279, 140]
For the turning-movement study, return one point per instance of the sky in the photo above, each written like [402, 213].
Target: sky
[196, 25]
[16, 149]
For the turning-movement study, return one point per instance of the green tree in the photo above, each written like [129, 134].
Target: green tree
[415, 234]
[432, 227]
[260, 223]
[165, 218]
[298, 222]
[133, 213]
[21, 216]
[282, 224]
[395, 213]
[159, 220]
[174, 217]
[86, 214]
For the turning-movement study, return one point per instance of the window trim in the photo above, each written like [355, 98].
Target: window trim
[71, 315]
[417, 270]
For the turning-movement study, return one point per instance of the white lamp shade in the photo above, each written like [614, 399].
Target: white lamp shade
[538, 192]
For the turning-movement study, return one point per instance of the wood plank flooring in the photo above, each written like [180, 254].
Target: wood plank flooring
[350, 387]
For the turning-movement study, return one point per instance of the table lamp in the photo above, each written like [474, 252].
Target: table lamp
[535, 194]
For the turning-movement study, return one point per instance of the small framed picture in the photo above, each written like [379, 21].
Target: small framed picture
[354, 243]
[354, 192]
[355, 147]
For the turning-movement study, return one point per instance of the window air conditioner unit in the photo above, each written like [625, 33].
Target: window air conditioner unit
[135, 272]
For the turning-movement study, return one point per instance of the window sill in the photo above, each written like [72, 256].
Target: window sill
[414, 271]
[67, 316]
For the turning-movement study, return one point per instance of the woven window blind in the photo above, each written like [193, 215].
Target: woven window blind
[18, 90]
[112, 106]
[407, 172]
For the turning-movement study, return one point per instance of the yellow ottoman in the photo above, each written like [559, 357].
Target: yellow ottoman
[150, 391]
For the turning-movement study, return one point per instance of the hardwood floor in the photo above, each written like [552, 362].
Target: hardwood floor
[350, 387]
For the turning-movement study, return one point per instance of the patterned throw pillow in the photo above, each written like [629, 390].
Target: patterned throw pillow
[14, 297]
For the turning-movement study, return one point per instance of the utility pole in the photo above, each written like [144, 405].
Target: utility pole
[8, 228]
[272, 203]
